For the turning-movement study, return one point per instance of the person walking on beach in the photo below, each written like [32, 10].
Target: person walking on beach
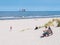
[10, 28]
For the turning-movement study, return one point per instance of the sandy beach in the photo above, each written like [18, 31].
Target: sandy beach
[23, 33]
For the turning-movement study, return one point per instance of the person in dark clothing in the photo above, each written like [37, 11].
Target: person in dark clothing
[36, 28]
[50, 31]
[45, 32]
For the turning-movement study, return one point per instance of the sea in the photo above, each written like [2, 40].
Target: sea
[10, 15]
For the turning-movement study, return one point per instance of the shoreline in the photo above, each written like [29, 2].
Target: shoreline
[29, 18]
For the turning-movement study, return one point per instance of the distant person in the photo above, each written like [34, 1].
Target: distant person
[10, 28]
[36, 28]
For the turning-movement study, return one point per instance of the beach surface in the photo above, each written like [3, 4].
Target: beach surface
[23, 33]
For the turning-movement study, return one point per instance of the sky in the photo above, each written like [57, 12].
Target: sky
[30, 5]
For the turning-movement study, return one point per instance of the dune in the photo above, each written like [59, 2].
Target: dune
[23, 32]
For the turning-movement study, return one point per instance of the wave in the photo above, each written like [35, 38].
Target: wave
[24, 17]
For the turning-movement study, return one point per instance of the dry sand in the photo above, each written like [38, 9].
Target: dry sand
[23, 32]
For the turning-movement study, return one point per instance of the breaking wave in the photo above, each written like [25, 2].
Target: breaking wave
[27, 17]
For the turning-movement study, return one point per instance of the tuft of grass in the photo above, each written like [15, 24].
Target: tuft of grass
[58, 21]
[50, 23]
[58, 24]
